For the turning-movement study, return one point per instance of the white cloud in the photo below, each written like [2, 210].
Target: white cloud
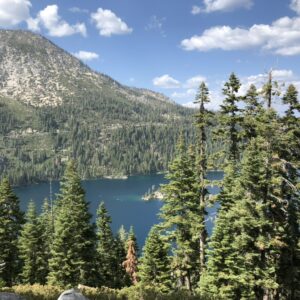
[222, 5]
[183, 95]
[215, 97]
[284, 77]
[166, 81]
[86, 55]
[196, 10]
[295, 5]
[56, 26]
[13, 12]
[76, 9]
[108, 23]
[194, 82]
[33, 24]
[156, 24]
[281, 37]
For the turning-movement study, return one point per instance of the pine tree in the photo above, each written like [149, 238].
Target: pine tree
[291, 125]
[131, 262]
[154, 267]
[105, 248]
[123, 236]
[230, 132]
[288, 200]
[31, 250]
[121, 278]
[230, 118]
[241, 241]
[202, 123]
[46, 225]
[11, 220]
[132, 237]
[73, 246]
[252, 111]
[179, 214]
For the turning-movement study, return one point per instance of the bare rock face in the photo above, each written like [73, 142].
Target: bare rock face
[36, 72]
[72, 294]
[10, 296]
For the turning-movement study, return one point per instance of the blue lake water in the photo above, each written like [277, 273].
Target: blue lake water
[122, 198]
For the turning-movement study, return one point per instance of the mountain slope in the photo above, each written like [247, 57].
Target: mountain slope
[53, 107]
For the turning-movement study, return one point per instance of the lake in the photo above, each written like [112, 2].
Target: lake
[122, 198]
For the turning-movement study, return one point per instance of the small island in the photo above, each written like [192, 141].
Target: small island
[153, 194]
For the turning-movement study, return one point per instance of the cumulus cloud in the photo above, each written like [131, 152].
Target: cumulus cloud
[108, 23]
[156, 24]
[33, 24]
[281, 37]
[56, 26]
[76, 9]
[215, 97]
[194, 82]
[86, 55]
[280, 75]
[196, 10]
[221, 5]
[284, 77]
[166, 81]
[13, 12]
[295, 5]
[183, 95]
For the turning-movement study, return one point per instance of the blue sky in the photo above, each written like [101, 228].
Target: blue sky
[170, 46]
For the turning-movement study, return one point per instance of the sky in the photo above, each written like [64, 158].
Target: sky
[171, 46]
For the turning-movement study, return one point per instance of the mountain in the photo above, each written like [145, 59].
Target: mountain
[53, 107]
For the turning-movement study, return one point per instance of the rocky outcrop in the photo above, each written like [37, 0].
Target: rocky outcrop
[72, 294]
[10, 296]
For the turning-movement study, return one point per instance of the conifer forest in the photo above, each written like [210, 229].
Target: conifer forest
[253, 251]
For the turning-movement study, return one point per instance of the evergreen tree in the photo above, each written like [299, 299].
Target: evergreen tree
[121, 278]
[46, 224]
[123, 236]
[73, 246]
[286, 165]
[132, 237]
[179, 213]
[202, 123]
[131, 262]
[31, 250]
[11, 220]
[238, 267]
[105, 248]
[154, 267]
[252, 111]
[230, 118]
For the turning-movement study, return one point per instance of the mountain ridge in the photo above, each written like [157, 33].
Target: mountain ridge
[53, 107]
[57, 85]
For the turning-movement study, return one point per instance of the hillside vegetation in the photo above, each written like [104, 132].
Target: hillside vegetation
[54, 107]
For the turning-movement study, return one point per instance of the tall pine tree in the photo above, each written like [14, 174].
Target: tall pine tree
[73, 246]
[179, 211]
[31, 249]
[202, 123]
[11, 220]
[154, 269]
[105, 248]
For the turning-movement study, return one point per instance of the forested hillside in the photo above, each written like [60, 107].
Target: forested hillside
[54, 107]
[254, 249]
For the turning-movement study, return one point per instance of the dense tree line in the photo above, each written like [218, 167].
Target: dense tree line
[61, 246]
[105, 139]
[254, 250]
